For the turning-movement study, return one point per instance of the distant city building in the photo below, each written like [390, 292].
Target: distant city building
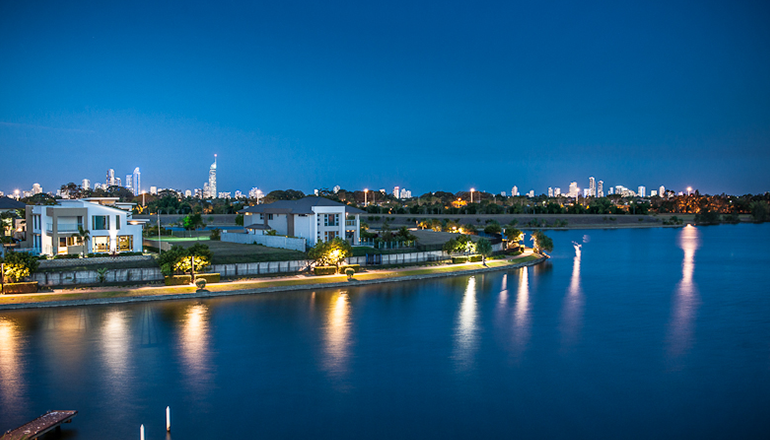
[653, 192]
[210, 188]
[573, 190]
[405, 194]
[662, 191]
[137, 181]
[514, 191]
[611, 191]
[556, 192]
[97, 185]
[315, 192]
[238, 194]
[129, 185]
[110, 181]
[153, 190]
[198, 193]
[600, 189]
[85, 184]
[642, 191]
[336, 189]
[224, 195]
[531, 193]
[187, 193]
[591, 187]
[586, 192]
[118, 182]
[396, 191]
[256, 193]
[550, 192]
[36, 188]
[502, 193]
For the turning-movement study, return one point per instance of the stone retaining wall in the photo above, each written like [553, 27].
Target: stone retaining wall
[68, 262]
[76, 277]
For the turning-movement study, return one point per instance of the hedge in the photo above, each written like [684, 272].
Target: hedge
[181, 280]
[456, 260]
[475, 258]
[355, 267]
[325, 270]
[9, 288]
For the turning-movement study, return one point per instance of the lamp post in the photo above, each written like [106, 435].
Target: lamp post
[366, 192]
[472, 194]
[689, 190]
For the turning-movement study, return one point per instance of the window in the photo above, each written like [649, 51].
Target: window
[331, 219]
[117, 222]
[125, 243]
[270, 216]
[100, 222]
[101, 244]
[262, 217]
[331, 235]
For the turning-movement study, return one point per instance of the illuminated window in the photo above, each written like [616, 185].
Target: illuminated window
[100, 222]
[125, 243]
[101, 244]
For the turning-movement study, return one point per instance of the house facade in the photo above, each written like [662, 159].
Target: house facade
[312, 218]
[53, 229]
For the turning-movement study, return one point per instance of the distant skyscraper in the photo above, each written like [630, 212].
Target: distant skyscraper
[97, 185]
[213, 179]
[153, 190]
[110, 177]
[129, 184]
[118, 182]
[531, 193]
[642, 192]
[557, 192]
[600, 189]
[85, 184]
[591, 187]
[396, 192]
[573, 190]
[188, 193]
[502, 193]
[653, 192]
[36, 188]
[550, 192]
[336, 189]
[137, 181]
[514, 191]
[662, 191]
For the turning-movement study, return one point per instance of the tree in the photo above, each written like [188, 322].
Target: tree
[484, 247]
[83, 235]
[331, 253]
[707, 217]
[450, 246]
[193, 222]
[493, 228]
[18, 265]
[239, 219]
[514, 235]
[759, 211]
[543, 243]
[465, 244]
[178, 259]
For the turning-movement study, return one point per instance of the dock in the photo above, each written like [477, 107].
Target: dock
[41, 425]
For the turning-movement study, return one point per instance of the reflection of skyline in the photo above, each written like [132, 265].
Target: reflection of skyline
[686, 297]
[465, 333]
[11, 383]
[573, 301]
[521, 316]
[337, 335]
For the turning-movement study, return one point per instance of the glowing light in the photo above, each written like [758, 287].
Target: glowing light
[573, 302]
[115, 343]
[686, 297]
[521, 317]
[11, 380]
[465, 334]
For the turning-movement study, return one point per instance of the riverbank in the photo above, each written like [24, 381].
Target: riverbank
[68, 298]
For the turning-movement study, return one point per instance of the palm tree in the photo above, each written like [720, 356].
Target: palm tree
[84, 235]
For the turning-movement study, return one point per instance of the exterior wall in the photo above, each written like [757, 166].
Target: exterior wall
[278, 223]
[321, 230]
[304, 227]
[296, 244]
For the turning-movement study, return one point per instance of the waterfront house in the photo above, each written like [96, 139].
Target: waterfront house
[312, 218]
[53, 229]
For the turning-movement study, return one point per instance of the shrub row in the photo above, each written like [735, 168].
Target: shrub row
[180, 280]
[10, 288]
[325, 270]
[466, 258]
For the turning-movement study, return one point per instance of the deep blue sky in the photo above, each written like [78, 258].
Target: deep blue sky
[426, 95]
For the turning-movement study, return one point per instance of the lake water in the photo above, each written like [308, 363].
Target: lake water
[632, 334]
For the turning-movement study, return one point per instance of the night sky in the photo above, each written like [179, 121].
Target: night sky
[425, 95]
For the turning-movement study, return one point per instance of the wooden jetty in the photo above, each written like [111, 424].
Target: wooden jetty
[41, 425]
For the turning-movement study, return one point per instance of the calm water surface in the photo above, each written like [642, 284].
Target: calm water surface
[624, 333]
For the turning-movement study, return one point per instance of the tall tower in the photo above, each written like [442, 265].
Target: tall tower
[137, 176]
[591, 187]
[213, 179]
[600, 189]
[110, 181]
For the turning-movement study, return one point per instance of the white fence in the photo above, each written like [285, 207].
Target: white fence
[75, 277]
[275, 241]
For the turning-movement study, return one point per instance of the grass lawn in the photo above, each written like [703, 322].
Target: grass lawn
[227, 253]
[117, 264]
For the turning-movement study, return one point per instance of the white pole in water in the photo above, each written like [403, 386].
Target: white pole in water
[141, 432]
[168, 419]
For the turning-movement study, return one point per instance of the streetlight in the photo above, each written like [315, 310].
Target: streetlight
[472, 189]
[689, 190]
[366, 192]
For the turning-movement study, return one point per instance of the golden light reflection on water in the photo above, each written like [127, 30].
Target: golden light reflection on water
[115, 343]
[686, 297]
[11, 382]
[573, 301]
[521, 315]
[337, 334]
[466, 331]
[65, 329]
[194, 344]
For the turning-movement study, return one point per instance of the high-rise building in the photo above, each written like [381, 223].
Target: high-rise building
[97, 185]
[502, 193]
[85, 184]
[137, 181]
[591, 187]
[110, 177]
[129, 183]
[187, 193]
[642, 192]
[396, 191]
[662, 191]
[336, 189]
[256, 193]
[653, 192]
[118, 182]
[514, 191]
[550, 192]
[600, 189]
[557, 192]
[36, 188]
[405, 194]
[573, 190]
[153, 190]
[213, 179]
[531, 193]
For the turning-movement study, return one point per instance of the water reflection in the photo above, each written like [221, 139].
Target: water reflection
[521, 316]
[466, 330]
[686, 297]
[115, 341]
[11, 382]
[337, 335]
[194, 345]
[573, 302]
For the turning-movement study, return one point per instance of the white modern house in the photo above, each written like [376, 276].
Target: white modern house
[312, 218]
[53, 229]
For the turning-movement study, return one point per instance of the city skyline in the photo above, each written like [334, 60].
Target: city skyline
[434, 95]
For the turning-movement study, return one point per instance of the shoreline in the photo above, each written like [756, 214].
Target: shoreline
[269, 289]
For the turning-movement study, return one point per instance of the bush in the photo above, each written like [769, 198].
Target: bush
[474, 258]
[66, 256]
[215, 235]
[356, 268]
[200, 283]
[180, 280]
[325, 270]
[19, 265]
[350, 272]
[11, 288]
[462, 259]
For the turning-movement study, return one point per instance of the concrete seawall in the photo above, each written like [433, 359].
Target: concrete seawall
[206, 294]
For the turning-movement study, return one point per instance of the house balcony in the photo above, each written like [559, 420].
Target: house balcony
[350, 222]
